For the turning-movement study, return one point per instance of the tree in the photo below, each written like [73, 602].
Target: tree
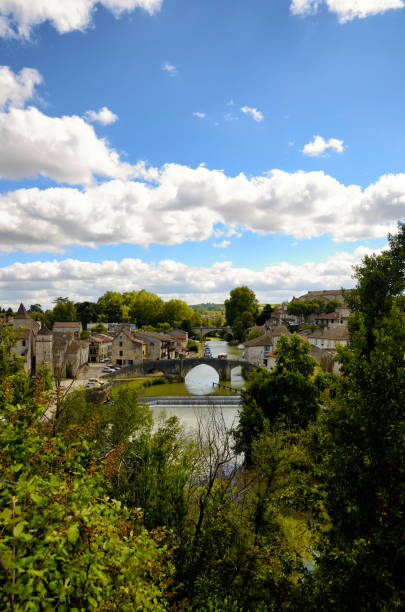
[145, 308]
[87, 312]
[99, 329]
[361, 449]
[64, 311]
[241, 299]
[287, 395]
[331, 306]
[176, 311]
[264, 315]
[35, 308]
[110, 306]
[64, 544]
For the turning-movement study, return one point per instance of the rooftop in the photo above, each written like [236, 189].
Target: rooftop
[22, 313]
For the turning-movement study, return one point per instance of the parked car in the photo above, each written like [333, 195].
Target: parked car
[108, 370]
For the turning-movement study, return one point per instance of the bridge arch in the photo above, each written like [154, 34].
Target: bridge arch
[183, 367]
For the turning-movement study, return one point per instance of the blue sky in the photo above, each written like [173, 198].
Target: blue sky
[256, 143]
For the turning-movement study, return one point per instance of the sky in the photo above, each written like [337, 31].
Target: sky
[191, 146]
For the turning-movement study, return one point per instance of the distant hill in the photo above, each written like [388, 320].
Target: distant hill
[208, 307]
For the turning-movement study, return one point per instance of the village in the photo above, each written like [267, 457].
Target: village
[70, 355]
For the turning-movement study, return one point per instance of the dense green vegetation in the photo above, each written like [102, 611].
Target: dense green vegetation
[102, 509]
[315, 306]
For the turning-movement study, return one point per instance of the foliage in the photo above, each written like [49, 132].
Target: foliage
[265, 314]
[145, 308]
[361, 449]
[176, 311]
[314, 306]
[99, 329]
[255, 333]
[192, 346]
[287, 395]
[110, 306]
[87, 312]
[84, 334]
[64, 311]
[241, 300]
[65, 545]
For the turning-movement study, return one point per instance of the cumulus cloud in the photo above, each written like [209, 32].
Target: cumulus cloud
[222, 245]
[169, 68]
[40, 282]
[16, 89]
[346, 10]
[103, 116]
[64, 149]
[19, 17]
[199, 115]
[187, 204]
[253, 112]
[319, 145]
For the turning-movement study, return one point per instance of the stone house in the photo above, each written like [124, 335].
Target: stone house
[100, 347]
[26, 345]
[158, 345]
[126, 349]
[328, 338]
[44, 348]
[261, 351]
[76, 356]
[180, 336]
[68, 354]
[333, 319]
[74, 327]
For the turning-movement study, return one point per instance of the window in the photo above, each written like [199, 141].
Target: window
[120, 343]
[24, 343]
[121, 353]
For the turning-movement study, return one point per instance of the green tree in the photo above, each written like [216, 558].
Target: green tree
[145, 308]
[87, 312]
[64, 544]
[331, 306]
[64, 311]
[99, 329]
[361, 449]
[176, 311]
[110, 306]
[287, 395]
[264, 315]
[241, 299]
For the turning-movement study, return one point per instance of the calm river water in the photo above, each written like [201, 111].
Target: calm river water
[200, 382]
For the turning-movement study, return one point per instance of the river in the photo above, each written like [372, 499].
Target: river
[200, 382]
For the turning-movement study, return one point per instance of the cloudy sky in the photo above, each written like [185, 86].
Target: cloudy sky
[191, 146]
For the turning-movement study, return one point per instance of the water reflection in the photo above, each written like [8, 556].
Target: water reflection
[201, 379]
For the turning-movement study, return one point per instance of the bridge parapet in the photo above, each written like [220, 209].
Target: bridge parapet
[182, 367]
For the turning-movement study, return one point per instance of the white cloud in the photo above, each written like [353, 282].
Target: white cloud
[170, 68]
[319, 145]
[230, 117]
[222, 245]
[42, 281]
[346, 10]
[16, 89]
[186, 204]
[103, 116]
[199, 115]
[304, 7]
[253, 112]
[19, 17]
[65, 149]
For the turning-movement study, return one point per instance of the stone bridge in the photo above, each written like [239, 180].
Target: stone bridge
[203, 330]
[182, 367]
